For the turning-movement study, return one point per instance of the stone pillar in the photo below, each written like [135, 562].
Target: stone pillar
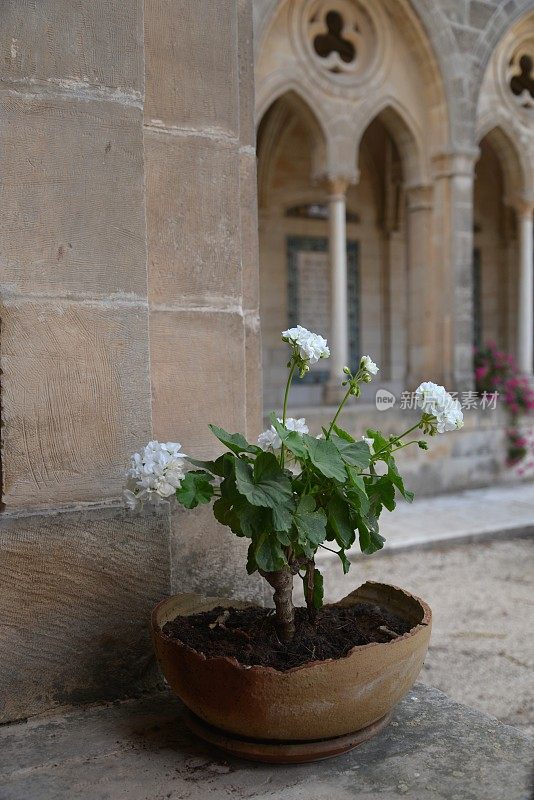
[339, 333]
[453, 257]
[423, 300]
[525, 299]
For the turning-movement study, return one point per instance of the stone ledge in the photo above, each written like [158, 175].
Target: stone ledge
[434, 749]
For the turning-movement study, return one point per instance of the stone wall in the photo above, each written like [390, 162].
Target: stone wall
[129, 309]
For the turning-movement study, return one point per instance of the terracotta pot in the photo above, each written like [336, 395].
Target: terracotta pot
[316, 701]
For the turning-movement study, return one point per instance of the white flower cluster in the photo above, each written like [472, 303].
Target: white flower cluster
[369, 365]
[436, 400]
[310, 346]
[155, 474]
[269, 439]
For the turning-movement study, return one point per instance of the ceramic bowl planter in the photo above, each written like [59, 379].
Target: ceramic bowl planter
[317, 710]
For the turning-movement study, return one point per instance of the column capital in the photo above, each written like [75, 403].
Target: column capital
[420, 196]
[337, 185]
[455, 163]
[523, 206]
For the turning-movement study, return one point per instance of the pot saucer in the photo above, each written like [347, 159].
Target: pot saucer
[273, 752]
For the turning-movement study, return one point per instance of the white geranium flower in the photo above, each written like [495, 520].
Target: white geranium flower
[269, 439]
[154, 474]
[435, 400]
[368, 442]
[369, 365]
[310, 346]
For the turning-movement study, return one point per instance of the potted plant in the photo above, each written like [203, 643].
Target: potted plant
[294, 684]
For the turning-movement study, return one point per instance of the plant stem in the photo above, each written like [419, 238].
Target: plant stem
[284, 413]
[308, 589]
[338, 412]
[396, 440]
[282, 583]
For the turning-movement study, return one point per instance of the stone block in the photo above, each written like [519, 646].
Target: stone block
[208, 558]
[198, 377]
[77, 593]
[249, 232]
[75, 400]
[480, 13]
[72, 197]
[191, 65]
[247, 129]
[65, 43]
[254, 377]
[193, 220]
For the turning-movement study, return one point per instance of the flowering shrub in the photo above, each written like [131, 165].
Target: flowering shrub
[496, 372]
[291, 493]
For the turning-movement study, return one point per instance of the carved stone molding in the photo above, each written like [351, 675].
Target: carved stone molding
[514, 74]
[343, 42]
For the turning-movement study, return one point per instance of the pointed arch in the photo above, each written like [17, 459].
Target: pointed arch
[500, 134]
[272, 126]
[404, 132]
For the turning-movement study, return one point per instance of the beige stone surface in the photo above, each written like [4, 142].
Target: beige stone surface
[197, 378]
[197, 39]
[72, 197]
[249, 232]
[68, 44]
[77, 591]
[193, 220]
[207, 558]
[75, 400]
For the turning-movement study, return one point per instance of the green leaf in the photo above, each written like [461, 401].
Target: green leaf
[224, 512]
[267, 486]
[355, 454]
[310, 525]
[344, 561]
[268, 553]
[379, 443]
[395, 478]
[386, 492]
[195, 489]
[356, 493]
[234, 441]
[370, 539]
[292, 439]
[340, 520]
[318, 590]
[325, 457]
[222, 466]
[343, 434]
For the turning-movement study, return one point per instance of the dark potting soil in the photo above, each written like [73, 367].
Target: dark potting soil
[249, 634]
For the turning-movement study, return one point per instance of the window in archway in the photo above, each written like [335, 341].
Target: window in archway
[523, 79]
[333, 41]
[308, 297]
[316, 211]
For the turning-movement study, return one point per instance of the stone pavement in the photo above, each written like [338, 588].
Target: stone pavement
[434, 749]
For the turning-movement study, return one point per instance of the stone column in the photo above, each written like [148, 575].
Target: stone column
[423, 299]
[525, 300]
[339, 333]
[453, 248]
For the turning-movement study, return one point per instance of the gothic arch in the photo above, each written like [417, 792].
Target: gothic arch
[404, 132]
[271, 128]
[502, 137]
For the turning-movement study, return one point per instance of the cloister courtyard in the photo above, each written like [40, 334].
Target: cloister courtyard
[184, 182]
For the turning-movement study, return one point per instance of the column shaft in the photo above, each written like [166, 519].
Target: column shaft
[339, 334]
